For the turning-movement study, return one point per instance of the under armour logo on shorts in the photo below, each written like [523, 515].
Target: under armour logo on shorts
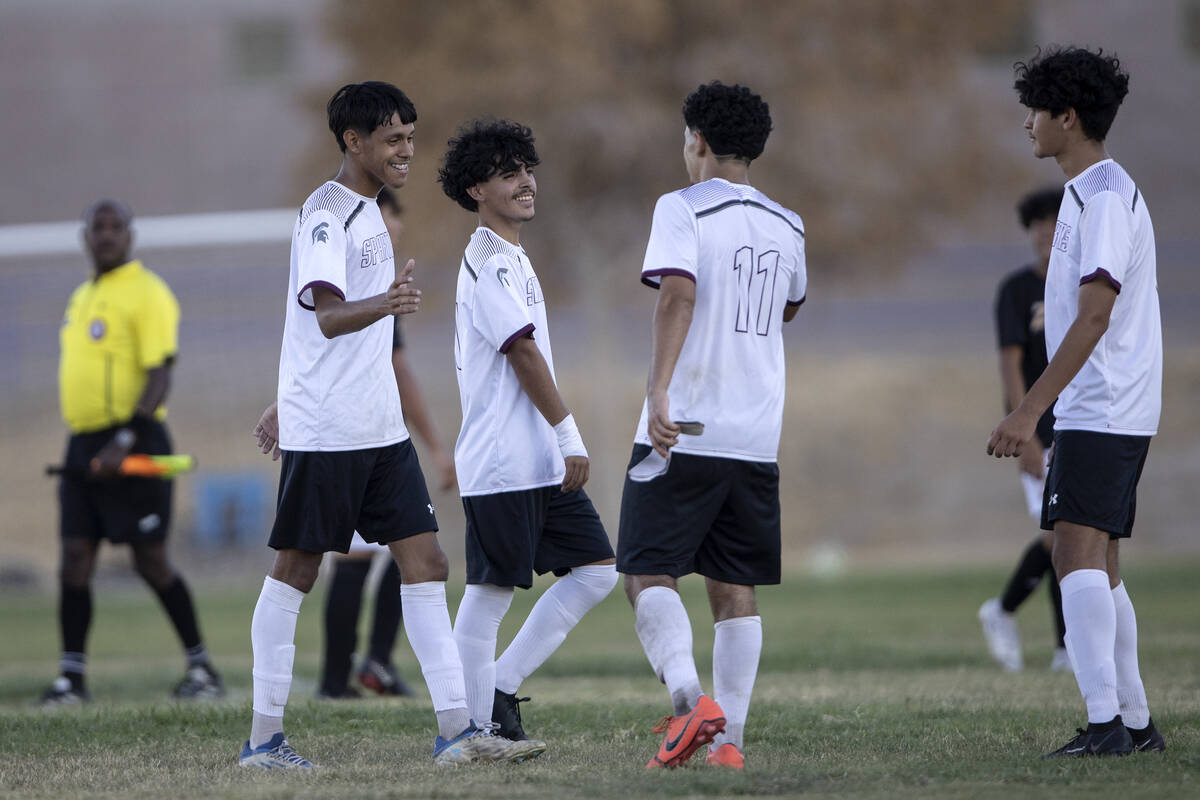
[430, 507]
[1053, 499]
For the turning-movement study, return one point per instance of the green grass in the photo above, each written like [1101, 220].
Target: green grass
[870, 686]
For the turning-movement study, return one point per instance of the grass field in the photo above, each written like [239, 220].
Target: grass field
[871, 685]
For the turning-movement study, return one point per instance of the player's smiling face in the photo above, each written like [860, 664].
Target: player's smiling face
[1045, 132]
[507, 196]
[388, 151]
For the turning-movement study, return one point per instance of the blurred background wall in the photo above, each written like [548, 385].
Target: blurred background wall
[897, 137]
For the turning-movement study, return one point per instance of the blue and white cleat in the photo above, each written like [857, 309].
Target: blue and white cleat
[275, 754]
[476, 745]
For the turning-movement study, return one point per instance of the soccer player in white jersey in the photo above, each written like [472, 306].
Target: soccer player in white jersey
[1104, 340]
[730, 269]
[347, 460]
[521, 461]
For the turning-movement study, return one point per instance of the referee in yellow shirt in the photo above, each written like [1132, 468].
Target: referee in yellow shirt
[118, 341]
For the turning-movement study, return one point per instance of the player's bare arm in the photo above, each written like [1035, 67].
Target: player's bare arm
[1013, 384]
[672, 319]
[790, 311]
[158, 383]
[535, 379]
[416, 413]
[1014, 432]
[337, 317]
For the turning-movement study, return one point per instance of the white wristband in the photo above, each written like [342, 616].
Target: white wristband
[570, 443]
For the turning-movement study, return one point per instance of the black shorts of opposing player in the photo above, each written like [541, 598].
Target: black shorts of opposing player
[1093, 481]
[122, 510]
[325, 497]
[511, 535]
[718, 517]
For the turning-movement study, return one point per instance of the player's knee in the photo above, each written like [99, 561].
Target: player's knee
[75, 569]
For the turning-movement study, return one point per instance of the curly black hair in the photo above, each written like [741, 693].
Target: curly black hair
[483, 148]
[735, 121]
[1071, 77]
[1039, 204]
[366, 106]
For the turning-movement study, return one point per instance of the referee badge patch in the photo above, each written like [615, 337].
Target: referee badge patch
[97, 329]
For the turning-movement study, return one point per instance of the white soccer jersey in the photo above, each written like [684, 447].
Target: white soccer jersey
[746, 254]
[340, 393]
[1104, 233]
[505, 444]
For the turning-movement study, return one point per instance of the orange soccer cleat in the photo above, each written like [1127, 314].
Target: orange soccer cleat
[686, 734]
[727, 755]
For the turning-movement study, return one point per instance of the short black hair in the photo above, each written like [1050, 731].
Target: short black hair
[366, 106]
[1071, 77]
[120, 207]
[735, 121]
[1040, 204]
[483, 148]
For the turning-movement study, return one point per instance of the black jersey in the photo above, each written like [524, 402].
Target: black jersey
[1020, 320]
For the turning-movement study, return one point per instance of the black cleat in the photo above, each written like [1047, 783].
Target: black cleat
[65, 692]
[506, 712]
[1100, 739]
[344, 693]
[200, 682]
[1147, 739]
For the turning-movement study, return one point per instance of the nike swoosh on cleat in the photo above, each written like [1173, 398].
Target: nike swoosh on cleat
[671, 744]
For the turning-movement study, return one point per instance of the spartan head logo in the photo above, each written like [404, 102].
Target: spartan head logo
[502, 276]
[319, 234]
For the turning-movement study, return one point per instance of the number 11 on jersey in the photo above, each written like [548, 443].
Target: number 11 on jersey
[756, 289]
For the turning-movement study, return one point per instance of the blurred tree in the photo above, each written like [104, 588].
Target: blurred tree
[878, 139]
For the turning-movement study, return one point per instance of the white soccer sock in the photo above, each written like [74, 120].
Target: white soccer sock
[427, 623]
[1090, 615]
[1131, 695]
[736, 649]
[551, 619]
[475, 627]
[665, 632]
[272, 637]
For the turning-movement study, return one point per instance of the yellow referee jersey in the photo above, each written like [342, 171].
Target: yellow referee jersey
[117, 327]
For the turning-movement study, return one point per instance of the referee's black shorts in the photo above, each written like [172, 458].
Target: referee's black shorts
[122, 510]
[325, 496]
[718, 517]
[1093, 481]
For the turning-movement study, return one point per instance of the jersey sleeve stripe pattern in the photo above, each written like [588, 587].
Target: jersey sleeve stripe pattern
[313, 285]
[336, 199]
[482, 248]
[659, 273]
[1101, 274]
[508, 343]
[467, 266]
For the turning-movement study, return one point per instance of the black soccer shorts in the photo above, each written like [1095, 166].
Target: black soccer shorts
[715, 516]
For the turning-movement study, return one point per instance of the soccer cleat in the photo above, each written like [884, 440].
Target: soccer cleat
[728, 756]
[1000, 631]
[382, 679]
[276, 753]
[477, 744]
[1061, 661]
[506, 714]
[1102, 739]
[1147, 739]
[65, 693]
[687, 733]
[200, 682]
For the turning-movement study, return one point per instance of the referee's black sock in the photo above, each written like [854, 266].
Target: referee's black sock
[177, 601]
[1033, 565]
[74, 620]
[388, 614]
[342, 606]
